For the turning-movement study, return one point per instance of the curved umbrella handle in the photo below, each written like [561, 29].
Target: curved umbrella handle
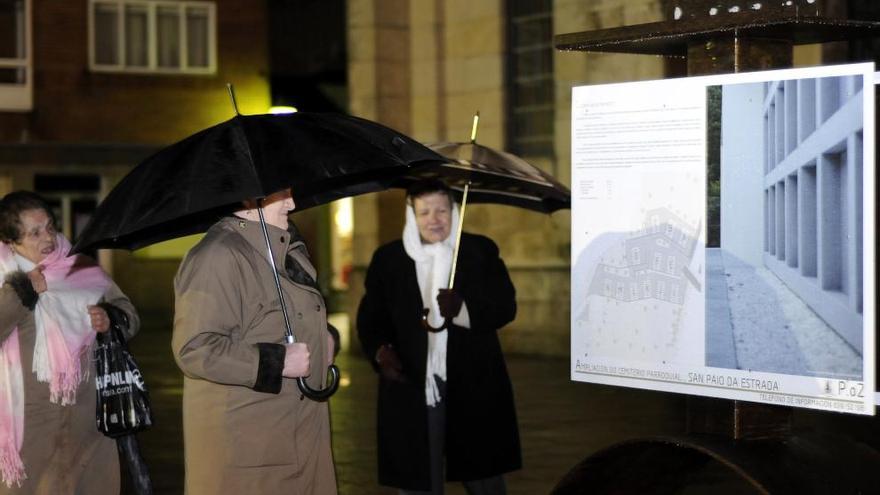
[332, 370]
[321, 394]
[427, 326]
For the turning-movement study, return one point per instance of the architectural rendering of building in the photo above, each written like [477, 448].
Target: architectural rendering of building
[656, 262]
[789, 273]
[813, 195]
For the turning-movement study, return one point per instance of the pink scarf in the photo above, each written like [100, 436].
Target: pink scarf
[63, 334]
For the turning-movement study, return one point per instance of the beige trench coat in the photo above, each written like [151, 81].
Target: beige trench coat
[62, 450]
[246, 429]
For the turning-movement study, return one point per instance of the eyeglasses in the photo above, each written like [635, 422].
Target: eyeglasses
[37, 232]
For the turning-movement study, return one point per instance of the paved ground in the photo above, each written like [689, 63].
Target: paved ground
[560, 422]
[763, 326]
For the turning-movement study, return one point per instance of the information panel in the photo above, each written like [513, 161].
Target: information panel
[722, 236]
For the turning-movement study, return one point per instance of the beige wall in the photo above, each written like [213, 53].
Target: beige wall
[537, 247]
[453, 63]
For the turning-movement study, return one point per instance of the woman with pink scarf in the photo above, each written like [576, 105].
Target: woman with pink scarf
[51, 307]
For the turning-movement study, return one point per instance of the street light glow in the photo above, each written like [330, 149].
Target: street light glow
[344, 217]
[282, 109]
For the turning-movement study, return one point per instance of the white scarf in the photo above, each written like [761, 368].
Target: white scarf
[433, 264]
[63, 334]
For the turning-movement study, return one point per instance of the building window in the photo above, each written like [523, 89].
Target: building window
[16, 71]
[152, 36]
[658, 261]
[530, 77]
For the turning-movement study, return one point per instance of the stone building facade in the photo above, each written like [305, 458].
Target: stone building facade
[426, 66]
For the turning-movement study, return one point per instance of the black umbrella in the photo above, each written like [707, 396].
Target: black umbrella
[485, 175]
[136, 466]
[186, 187]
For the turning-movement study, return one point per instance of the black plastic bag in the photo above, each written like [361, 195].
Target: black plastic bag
[123, 403]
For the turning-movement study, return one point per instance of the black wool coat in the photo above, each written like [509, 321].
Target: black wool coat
[482, 437]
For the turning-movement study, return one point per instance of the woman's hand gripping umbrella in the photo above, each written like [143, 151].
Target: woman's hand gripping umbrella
[289, 337]
[489, 176]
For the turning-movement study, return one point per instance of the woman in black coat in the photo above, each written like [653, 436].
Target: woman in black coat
[447, 392]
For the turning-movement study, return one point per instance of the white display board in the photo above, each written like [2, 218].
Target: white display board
[778, 306]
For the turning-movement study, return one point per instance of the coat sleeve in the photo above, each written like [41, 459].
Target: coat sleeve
[373, 318]
[207, 323]
[121, 311]
[17, 301]
[488, 292]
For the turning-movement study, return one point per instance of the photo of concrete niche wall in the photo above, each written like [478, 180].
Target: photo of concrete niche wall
[784, 290]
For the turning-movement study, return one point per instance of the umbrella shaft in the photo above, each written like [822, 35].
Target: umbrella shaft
[458, 235]
[288, 332]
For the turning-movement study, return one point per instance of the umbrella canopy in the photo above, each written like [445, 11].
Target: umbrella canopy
[184, 188]
[495, 177]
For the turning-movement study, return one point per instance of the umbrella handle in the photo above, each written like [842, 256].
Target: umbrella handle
[427, 326]
[333, 371]
[467, 187]
[321, 394]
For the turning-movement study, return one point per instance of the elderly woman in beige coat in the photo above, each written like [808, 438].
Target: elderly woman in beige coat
[247, 428]
[51, 307]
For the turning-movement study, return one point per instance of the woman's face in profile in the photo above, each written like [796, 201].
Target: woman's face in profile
[433, 216]
[276, 207]
[37, 236]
